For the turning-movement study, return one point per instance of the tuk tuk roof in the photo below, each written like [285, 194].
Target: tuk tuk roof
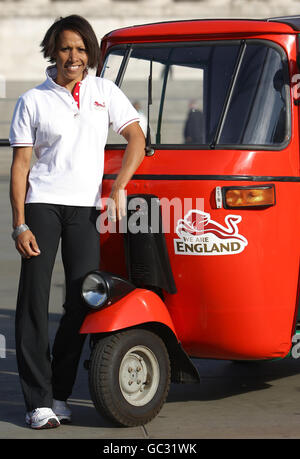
[201, 27]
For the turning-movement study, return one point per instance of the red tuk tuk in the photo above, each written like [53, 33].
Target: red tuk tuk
[215, 271]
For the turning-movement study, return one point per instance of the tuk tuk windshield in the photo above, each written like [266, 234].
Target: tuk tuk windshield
[232, 94]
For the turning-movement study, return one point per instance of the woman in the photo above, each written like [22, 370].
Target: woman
[65, 120]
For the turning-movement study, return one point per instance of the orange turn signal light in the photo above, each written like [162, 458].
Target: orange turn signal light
[249, 196]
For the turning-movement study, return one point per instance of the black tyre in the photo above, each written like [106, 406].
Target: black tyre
[129, 376]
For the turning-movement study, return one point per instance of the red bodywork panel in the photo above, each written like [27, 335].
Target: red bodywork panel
[236, 306]
[195, 30]
[138, 307]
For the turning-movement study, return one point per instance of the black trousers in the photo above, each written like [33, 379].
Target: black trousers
[42, 377]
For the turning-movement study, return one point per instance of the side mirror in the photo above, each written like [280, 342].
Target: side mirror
[278, 80]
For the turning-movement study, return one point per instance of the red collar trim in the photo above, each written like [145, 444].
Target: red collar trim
[76, 93]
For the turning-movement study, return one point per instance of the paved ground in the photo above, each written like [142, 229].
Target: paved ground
[233, 401]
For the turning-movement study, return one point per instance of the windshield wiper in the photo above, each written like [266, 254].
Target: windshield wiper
[148, 149]
[229, 94]
[123, 66]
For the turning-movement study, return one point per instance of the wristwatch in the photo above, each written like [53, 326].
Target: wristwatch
[18, 230]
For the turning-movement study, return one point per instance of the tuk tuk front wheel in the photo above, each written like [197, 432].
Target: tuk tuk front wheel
[129, 376]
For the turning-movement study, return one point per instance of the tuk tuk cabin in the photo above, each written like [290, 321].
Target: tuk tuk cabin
[215, 272]
[236, 280]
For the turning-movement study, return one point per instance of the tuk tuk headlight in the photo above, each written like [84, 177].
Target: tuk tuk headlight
[94, 290]
[100, 288]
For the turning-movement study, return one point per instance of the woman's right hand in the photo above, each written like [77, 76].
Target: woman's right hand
[26, 245]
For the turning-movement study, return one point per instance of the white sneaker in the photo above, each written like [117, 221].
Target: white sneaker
[42, 418]
[62, 411]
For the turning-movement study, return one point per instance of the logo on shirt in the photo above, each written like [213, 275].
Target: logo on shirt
[98, 105]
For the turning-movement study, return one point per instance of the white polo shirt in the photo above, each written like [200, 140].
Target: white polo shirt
[69, 135]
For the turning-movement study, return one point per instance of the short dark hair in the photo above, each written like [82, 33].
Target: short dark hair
[77, 24]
